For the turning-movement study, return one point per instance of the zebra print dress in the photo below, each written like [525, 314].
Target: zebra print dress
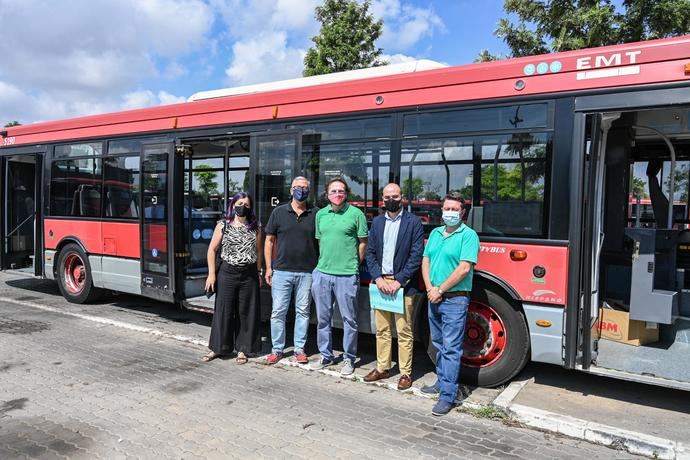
[238, 246]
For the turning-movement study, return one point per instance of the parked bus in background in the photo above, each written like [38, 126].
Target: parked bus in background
[547, 150]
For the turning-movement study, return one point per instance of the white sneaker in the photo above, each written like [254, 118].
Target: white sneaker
[348, 368]
[320, 364]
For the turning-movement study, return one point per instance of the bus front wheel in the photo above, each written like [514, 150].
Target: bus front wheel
[496, 345]
[74, 275]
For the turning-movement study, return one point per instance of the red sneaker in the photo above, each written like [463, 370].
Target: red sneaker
[274, 358]
[301, 358]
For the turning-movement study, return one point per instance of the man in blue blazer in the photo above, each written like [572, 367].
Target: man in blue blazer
[394, 255]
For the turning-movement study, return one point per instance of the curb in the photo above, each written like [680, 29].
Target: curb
[386, 385]
[616, 438]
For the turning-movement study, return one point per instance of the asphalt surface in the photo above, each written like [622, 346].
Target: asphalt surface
[75, 387]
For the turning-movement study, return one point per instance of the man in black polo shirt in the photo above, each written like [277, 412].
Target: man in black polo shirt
[292, 227]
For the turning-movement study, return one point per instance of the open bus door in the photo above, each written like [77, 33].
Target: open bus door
[593, 233]
[21, 199]
[634, 322]
[158, 202]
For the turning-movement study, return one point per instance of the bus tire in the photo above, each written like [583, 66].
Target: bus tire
[496, 345]
[74, 275]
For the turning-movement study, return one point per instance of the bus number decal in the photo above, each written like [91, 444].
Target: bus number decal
[9, 140]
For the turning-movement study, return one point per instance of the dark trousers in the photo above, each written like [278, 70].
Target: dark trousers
[237, 311]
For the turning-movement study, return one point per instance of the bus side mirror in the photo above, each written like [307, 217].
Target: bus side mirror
[475, 218]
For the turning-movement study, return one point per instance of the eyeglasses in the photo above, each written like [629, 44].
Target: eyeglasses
[336, 192]
[304, 189]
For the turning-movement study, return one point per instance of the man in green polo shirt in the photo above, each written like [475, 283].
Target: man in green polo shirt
[447, 268]
[342, 233]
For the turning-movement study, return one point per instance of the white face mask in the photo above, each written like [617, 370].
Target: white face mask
[451, 218]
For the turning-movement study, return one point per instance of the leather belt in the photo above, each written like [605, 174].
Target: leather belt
[448, 295]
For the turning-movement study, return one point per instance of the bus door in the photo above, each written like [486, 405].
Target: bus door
[275, 163]
[157, 221]
[593, 231]
[21, 192]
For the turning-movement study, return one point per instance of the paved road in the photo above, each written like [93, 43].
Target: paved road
[75, 388]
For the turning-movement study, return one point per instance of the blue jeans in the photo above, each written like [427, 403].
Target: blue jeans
[344, 288]
[282, 287]
[447, 326]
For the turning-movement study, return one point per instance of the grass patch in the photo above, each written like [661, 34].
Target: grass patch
[489, 412]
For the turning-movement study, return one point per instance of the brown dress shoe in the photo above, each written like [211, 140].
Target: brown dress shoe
[376, 375]
[405, 382]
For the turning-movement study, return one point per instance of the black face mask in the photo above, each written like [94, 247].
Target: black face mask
[392, 205]
[241, 211]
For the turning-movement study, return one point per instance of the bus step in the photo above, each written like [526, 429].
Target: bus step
[201, 303]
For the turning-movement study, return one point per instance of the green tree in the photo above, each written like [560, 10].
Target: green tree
[637, 187]
[206, 180]
[680, 183]
[486, 56]
[346, 40]
[649, 19]
[505, 183]
[12, 123]
[417, 188]
[563, 25]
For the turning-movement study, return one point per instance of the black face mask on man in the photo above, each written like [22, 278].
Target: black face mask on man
[392, 205]
[241, 211]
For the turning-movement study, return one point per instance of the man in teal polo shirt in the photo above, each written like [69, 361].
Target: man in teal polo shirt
[447, 268]
[342, 233]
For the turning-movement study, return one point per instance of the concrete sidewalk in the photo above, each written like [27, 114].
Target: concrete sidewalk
[641, 419]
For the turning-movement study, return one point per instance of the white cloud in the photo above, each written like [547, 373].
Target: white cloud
[27, 108]
[271, 38]
[385, 8]
[75, 58]
[404, 24]
[165, 98]
[265, 58]
[72, 58]
[397, 58]
[147, 98]
[175, 70]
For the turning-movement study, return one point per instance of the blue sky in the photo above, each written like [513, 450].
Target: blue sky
[77, 57]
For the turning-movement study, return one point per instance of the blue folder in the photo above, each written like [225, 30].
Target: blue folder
[393, 303]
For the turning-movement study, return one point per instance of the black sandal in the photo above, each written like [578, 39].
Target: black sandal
[210, 356]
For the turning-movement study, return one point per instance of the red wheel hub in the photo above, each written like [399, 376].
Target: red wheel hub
[485, 336]
[74, 273]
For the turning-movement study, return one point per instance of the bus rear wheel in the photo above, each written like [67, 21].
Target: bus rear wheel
[74, 275]
[496, 345]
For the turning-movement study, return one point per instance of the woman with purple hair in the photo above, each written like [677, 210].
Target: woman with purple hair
[237, 310]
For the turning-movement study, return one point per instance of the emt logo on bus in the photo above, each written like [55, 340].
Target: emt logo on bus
[607, 65]
[614, 59]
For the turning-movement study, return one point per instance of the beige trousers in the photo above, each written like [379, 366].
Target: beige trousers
[403, 325]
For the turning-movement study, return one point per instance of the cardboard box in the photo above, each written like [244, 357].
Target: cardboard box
[617, 326]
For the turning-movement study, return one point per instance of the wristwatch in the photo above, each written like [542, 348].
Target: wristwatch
[440, 291]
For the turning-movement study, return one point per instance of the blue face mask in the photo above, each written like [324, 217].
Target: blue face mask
[300, 194]
[451, 218]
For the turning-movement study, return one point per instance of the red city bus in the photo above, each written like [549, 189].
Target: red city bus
[546, 149]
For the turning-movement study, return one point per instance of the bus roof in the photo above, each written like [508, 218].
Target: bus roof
[631, 64]
[380, 71]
